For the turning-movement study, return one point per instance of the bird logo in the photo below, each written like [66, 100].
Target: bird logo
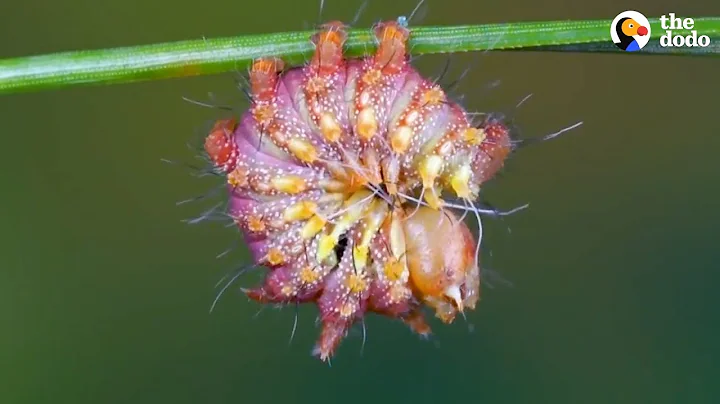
[630, 31]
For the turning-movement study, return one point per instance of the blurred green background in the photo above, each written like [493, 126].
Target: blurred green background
[104, 293]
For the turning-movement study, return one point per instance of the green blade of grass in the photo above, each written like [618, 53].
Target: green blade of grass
[211, 56]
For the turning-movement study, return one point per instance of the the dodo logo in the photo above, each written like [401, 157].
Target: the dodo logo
[630, 31]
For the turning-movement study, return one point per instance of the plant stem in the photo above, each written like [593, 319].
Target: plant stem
[211, 56]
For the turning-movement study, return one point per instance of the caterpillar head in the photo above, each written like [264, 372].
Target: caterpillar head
[441, 260]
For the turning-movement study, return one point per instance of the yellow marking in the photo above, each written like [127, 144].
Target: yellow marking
[329, 127]
[391, 188]
[429, 170]
[290, 184]
[367, 125]
[390, 172]
[394, 270]
[336, 170]
[377, 212]
[433, 200]
[433, 96]
[326, 246]
[354, 208]
[400, 139]
[307, 275]
[460, 181]
[237, 178]
[263, 114]
[302, 149]
[360, 256]
[256, 224]
[275, 256]
[312, 227]
[372, 76]
[356, 181]
[356, 283]
[333, 185]
[474, 136]
[372, 165]
[373, 220]
[397, 237]
[316, 85]
[336, 197]
[302, 210]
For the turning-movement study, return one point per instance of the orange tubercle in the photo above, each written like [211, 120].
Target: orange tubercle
[220, 146]
[391, 54]
[329, 43]
[264, 77]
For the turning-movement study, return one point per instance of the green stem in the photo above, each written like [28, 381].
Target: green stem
[210, 56]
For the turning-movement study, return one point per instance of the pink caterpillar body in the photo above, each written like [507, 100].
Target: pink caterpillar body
[336, 177]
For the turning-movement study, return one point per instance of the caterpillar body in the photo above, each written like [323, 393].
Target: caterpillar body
[340, 177]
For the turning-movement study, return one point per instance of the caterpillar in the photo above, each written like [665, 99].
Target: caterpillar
[343, 177]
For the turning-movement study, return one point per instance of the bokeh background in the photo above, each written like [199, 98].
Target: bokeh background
[104, 292]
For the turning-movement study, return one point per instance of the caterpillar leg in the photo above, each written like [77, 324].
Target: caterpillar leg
[343, 302]
[329, 41]
[324, 82]
[391, 56]
[264, 76]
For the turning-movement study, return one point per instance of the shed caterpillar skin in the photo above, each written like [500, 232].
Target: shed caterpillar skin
[338, 178]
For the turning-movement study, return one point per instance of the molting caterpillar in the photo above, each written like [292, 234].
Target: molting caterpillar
[341, 177]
